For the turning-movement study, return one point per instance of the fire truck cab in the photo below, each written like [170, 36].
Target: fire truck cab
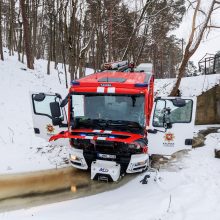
[113, 122]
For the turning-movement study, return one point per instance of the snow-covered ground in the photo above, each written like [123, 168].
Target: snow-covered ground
[20, 150]
[188, 187]
[190, 86]
[189, 190]
[24, 151]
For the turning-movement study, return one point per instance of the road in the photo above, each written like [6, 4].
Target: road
[26, 190]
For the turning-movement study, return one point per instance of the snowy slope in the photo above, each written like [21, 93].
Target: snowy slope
[20, 149]
[190, 86]
[188, 187]
[24, 151]
[187, 190]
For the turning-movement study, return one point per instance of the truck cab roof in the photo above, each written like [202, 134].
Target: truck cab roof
[132, 80]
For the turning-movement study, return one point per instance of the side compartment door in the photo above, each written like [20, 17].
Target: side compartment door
[48, 117]
[171, 125]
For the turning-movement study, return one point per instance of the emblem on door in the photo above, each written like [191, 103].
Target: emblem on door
[169, 137]
[50, 128]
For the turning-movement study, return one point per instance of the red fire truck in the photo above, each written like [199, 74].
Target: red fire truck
[113, 122]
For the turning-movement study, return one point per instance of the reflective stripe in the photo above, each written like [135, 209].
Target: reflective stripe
[97, 131]
[89, 137]
[107, 132]
[100, 89]
[111, 90]
[101, 138]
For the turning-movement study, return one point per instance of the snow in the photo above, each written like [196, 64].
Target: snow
[188, 189]
[190, 86]
[17, 139]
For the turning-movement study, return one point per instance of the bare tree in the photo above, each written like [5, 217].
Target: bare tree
[195, 38]
[83, 52]
[135, 29]
[1, 49]
[84, 32]
[27, 37]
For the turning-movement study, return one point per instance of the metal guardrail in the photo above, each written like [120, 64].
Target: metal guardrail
[209, 64]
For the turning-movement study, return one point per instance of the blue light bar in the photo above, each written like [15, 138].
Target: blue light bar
[83, 135]
[111, 136]
[75, 83]
[141, 85]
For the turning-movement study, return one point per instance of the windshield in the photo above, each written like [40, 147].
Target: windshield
[114, 109]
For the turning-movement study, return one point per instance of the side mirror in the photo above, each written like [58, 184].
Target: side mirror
[39, 97]
[178, 102]
[55, 109]
[56, 114]
[152, 131]
[167, 125]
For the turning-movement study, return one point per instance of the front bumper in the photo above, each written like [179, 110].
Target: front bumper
[134, 164]
[138, 163]
[77, 159]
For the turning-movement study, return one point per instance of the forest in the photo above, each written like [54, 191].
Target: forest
[88, 33]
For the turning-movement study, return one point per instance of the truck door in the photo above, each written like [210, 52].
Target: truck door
[171, 125]
[48, 117]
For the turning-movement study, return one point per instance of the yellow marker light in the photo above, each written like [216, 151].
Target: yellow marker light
[73, 157]
[73, 189]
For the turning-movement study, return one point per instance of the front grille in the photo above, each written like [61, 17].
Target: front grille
[105, 147]
[92, 148]
[101, 146]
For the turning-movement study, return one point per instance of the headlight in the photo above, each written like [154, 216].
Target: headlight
[141, 163]
[139, 147]
[74, 157]
[135, 146]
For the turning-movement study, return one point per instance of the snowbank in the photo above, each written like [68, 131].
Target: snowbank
[190, 86]
[20, 149]
[188, 189]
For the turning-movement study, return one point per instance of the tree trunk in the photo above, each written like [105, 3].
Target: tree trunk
[1, 46]
[35, 20]
[11, 27]
[50, 46]
[27, 39]
[135, 30]
[194, 37]
[181, 71]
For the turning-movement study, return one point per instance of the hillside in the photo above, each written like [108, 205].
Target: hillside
[17, 139]
[190, 86]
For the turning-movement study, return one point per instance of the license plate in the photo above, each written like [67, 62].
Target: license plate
[107, 156]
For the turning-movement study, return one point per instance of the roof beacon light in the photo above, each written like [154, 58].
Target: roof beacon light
[141, 85]
[75, 83]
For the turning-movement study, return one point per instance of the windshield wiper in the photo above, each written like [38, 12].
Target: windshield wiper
[129, 124]
[92, 122]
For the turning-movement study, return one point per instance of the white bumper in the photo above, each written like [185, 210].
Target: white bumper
[77, 159]
[106, 169]
[138, 163]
